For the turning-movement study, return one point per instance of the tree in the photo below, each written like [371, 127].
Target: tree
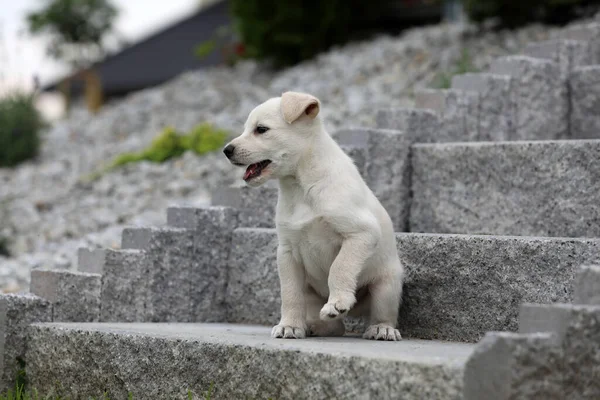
[77, 28]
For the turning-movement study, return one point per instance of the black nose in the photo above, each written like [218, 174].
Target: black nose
[228, 150]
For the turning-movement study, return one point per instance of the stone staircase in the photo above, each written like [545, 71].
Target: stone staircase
[494, 189]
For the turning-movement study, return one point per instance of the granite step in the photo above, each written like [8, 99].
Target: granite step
[537, 188]
[153, 361]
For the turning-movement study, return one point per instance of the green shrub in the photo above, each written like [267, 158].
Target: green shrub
[20, 125]
[513, 13]
[169, 143]
[290, 31]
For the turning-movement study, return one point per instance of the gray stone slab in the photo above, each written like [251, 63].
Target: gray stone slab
[16, 313]
[170, 276]
[507, 366]
[589, 33]
[420, 125]
[358, 155]
[457, 286]
[165, 361]
[90, 260]
[458, 111]
[577, 328]
[540, 96]
[587, 285]
[387, 169]
[212, 229]
[256, 206]
[124, 286]
[569, 54]
[135, 238]
[585, 102]
[497, 112]
[510, 188]
[75, 296]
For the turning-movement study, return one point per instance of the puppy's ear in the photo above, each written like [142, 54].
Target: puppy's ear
[294, 105]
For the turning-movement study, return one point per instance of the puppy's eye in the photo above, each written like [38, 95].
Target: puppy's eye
[261, 129]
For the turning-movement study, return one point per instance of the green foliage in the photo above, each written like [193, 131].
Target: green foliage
[288, 32]
[513, 13]
[20, 125]
[204, 48]
[76, 27]
[464, 65]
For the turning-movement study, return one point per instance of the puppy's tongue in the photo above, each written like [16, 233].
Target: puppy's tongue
[251, 170]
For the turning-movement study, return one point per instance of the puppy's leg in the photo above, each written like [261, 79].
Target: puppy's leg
[316, 327]
[385, 302]
[293, 307]
[343, 275]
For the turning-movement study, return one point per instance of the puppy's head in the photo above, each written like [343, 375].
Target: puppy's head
[276, 134]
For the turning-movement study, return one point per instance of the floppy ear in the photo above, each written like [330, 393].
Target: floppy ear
[294, 105]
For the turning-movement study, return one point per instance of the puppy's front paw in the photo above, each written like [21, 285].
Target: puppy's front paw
[382, 332]
[336, 308]
[288, 332]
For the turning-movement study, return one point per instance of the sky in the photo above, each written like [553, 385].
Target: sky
[22, 56]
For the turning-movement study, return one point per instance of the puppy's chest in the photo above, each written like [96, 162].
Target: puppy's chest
[312, 239]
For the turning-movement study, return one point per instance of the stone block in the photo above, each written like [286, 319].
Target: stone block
[540, 97]
[514, 366]
[90, 260]
[497, 112]
[419, 125]
[212, 238]
[124, 286]
[569, 54]
[589, 33]
[136, 238]
[458, 111]
[535, 188]
[585, 103]
[75, 296]
[587, 285]
[256, 206]
[16, 313]
[164, 361]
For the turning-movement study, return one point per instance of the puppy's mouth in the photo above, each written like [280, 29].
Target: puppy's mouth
[254, 170]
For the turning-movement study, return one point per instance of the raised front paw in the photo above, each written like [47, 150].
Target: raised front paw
[337, 307]
[382, 332]
[288, 332]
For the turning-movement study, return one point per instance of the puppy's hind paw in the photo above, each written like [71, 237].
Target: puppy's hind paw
[288, 332]
[382, 332]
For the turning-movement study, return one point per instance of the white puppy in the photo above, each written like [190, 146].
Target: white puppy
[337, 250]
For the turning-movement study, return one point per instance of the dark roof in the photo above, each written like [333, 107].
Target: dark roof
[161, 56]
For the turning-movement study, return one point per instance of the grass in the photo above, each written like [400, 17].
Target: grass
[464, 65]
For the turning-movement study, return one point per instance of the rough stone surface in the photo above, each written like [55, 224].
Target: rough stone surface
[420, 126]
[256, 206]
[514, 366]
[587, 285]
[16, 313]
[135, 238]
[511, 188]
[569, 54]
[212, 230]
[577, 328]
[540, 96]
[165, 361]
[387, 169]
[475, 282]
[589, 33]
[75, 296]
[458, 111]
[585, 102]
[497, 112]
[90, 260]
[124, 286]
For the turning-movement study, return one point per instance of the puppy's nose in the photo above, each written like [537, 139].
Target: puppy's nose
[228, 150]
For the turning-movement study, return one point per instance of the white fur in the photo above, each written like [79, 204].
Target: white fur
[335, 237]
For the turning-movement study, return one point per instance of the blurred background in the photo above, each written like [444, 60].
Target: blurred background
[111, 110]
